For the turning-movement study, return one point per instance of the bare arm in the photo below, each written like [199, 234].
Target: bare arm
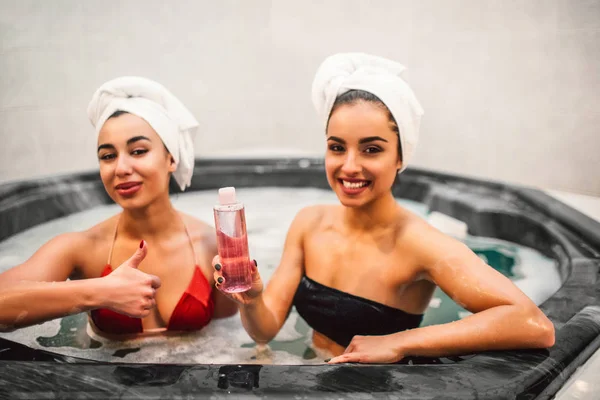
[504, 317]
[37, 291]
[263, 313]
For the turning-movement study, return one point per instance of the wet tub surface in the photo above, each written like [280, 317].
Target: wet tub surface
[497, 217]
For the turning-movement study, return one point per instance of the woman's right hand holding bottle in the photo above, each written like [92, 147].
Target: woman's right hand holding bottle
[244, 298]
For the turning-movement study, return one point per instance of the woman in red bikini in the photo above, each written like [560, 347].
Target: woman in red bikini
[144, 140]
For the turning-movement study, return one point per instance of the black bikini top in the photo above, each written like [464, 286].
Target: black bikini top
[340, 316]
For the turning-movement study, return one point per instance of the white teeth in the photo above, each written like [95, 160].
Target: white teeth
[354, 185]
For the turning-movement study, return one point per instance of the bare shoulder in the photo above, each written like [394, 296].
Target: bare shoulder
[66, 255]
[308, 220]
[195, 226]
[56, 260]
[428, 244]
[309, 217]
[68, 244]
[102, 231]
[95, 242]
[84, 243]
[201, 232]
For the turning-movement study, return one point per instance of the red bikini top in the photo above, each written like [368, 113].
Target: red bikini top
[194, 310]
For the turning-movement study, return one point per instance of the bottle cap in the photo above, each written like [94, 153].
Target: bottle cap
[227, 195]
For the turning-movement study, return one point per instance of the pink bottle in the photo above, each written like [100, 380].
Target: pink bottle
[232, 242]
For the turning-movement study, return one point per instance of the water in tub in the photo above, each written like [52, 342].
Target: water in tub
[224, 341]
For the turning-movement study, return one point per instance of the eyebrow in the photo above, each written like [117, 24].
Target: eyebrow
[129, 141]
[361, 141]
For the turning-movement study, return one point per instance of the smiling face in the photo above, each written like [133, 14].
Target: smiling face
[134, 164]
[362, 156]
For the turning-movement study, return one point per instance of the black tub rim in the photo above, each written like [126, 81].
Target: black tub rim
[575, 243]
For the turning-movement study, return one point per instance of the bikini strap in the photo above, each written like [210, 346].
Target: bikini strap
[113, 240]
[184, 226]
[189, 239]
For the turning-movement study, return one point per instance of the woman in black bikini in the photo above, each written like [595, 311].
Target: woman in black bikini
[363, 272]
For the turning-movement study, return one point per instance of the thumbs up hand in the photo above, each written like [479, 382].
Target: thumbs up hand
[130, 291]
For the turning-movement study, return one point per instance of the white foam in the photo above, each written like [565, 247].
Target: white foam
[269, 212]
[538, 276]
[448, 225]
[435, 302]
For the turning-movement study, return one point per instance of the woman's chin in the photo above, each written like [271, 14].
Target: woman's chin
[356, 202]
[131, 204]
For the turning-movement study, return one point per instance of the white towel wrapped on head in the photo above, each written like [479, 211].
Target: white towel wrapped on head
[171, 120]
[343, 72]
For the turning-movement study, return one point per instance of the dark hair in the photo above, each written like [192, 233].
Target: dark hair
[355, 96]
[121, 112]
[116, 114]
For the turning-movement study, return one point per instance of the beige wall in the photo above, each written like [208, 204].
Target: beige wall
[510, 88]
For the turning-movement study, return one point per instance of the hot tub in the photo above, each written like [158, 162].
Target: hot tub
[506, 225]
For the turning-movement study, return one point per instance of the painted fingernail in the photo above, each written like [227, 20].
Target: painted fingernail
[220, 280]
[327, 360]
[218, 267]
[141, 244]
[255, 263]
